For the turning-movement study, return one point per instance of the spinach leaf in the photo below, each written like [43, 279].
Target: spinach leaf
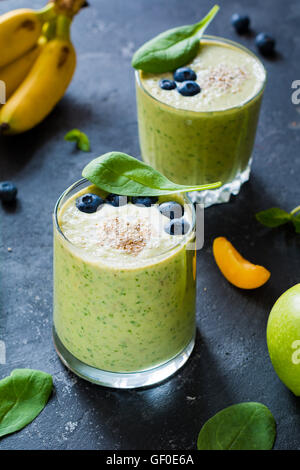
[173, 48]
[273, 217]
[296, 222]
[23, 395]
[119, 173]
[81, 139]
[245, 426]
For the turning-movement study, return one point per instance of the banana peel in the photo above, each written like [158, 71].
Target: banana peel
[39, 63]
[20, 30]
[42, 88]
[14, 73]
[69, 7]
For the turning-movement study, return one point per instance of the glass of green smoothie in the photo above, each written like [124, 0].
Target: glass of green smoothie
[124, 286]
[204, 133]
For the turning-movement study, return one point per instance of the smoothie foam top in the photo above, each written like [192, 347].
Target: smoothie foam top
[129, 234]
[228, 77]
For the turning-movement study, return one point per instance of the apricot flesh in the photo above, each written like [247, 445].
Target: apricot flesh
[236, 269]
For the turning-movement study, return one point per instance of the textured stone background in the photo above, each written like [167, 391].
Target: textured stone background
[230, 363]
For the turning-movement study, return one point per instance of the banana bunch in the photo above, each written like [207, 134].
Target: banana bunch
[37, 62]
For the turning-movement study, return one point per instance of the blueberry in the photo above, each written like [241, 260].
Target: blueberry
[241, 23]
[88, 203]
[167, 84]
[116, 200]
[265, 43]
[183, 74]
[171, 209]
[189, 88]
[8, 191]
[177, 227]
[146, 201]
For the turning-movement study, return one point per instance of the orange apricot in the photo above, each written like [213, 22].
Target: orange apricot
[236, 269]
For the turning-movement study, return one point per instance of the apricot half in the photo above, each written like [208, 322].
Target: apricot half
[236, 269]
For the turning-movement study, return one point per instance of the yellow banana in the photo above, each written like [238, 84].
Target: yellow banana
[14, 73]
[43, 87]
[49, 29]
[20, 30]
[69, 7]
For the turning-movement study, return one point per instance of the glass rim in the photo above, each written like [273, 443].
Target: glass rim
[185, 239]
[221, 40]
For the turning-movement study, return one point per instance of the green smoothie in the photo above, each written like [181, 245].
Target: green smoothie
[209, 136]
[124, 300]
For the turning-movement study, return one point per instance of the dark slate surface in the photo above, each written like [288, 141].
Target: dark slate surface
[230, 363]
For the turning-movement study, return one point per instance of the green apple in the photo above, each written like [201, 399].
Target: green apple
[283, 338]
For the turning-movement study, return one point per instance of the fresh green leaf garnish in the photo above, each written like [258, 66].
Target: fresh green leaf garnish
[173, 48]
[296, 222]
[81, 139]
[120, 173]
[275, 217]
[23, 395]
[245, 426]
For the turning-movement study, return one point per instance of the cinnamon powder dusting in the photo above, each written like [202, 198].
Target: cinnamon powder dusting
[223, 78]
[125, 235]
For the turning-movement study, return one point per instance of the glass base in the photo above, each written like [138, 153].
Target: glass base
[144, 378]
[222, 194]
